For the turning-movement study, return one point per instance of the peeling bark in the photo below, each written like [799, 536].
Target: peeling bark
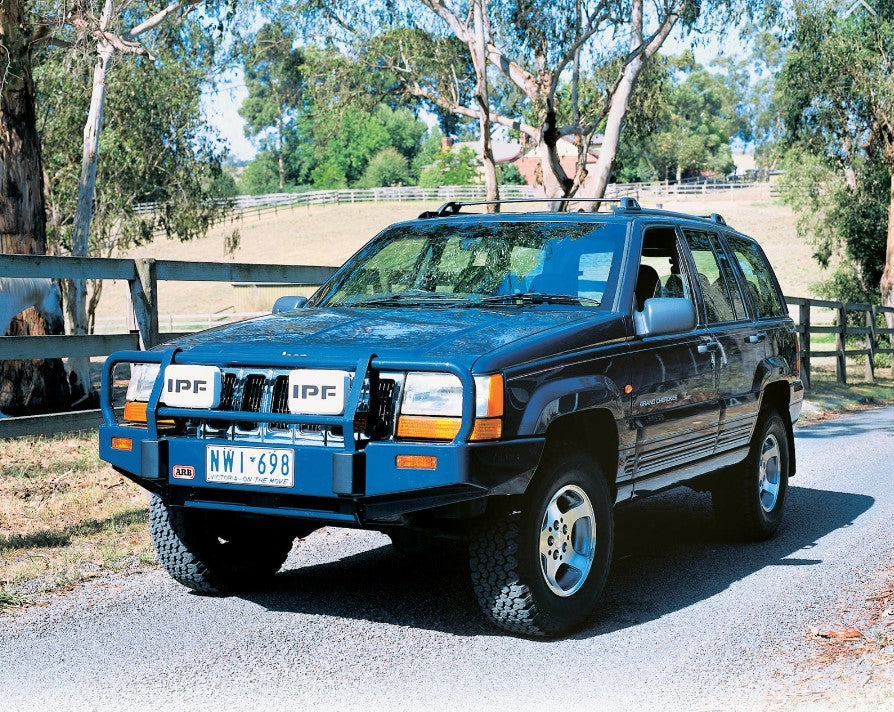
[36, 386]
[482, 97]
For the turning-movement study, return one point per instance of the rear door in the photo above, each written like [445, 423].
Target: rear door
[770, 322]
[741, 348]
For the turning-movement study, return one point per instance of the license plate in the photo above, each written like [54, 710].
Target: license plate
[260, 466]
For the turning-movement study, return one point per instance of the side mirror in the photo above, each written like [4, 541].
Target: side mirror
[664, 316]
[288, 303]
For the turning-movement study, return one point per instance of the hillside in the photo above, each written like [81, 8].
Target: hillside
[328, 235]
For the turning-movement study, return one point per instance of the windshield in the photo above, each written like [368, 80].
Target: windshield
[483, 264]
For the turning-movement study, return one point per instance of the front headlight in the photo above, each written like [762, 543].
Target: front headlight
[432, 407]
[142, 378]
[433, 394]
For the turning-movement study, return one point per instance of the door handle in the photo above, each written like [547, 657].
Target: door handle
[755, 338]
[709, 347]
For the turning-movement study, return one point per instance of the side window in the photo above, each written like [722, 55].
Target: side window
[758, 278]
[723, 301]
[662, 272]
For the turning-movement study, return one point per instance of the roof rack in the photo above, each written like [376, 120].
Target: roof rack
[453, 207]
[717, 218]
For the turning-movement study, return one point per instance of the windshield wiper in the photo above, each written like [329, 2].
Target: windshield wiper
[409, 299]
[526, 298]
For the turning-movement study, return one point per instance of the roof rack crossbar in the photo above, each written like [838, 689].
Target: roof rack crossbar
[453, 207]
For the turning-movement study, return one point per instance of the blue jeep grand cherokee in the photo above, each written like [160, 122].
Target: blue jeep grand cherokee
[503, 380]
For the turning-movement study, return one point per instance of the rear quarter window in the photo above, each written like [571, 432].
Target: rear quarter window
[759, 280]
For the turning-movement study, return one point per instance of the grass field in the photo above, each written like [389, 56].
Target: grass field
[328, 235]
[65, 516]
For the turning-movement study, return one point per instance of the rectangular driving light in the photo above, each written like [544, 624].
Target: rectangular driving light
[416, 462]
[122, 444]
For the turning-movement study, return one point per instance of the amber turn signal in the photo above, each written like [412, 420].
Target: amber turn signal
[135, 411]
[494, 396]
[422, 427]
[122, 444]
[416, 462]
[487, 429]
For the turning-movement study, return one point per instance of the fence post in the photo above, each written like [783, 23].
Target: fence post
[840, 345]
[804, 319]
[144, 299]
[870, 344]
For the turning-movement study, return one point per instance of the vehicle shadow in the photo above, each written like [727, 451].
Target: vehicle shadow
[669, 554]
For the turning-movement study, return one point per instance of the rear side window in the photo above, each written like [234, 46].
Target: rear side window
[758, 278]
[723, 301]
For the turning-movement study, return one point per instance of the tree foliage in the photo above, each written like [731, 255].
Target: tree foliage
[388, 167]
[837, 101]
[155, 146]
[692, 115]
[274, 77]
[451, 167]
[337, 122]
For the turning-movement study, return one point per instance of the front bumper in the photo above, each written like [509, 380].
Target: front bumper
[331, 484]
[357, 482]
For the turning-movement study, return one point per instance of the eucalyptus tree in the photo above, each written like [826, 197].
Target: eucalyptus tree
[31, 386]
[542, 50]
[43, 31]
[274, 76]
[837, 85]
[155, 146]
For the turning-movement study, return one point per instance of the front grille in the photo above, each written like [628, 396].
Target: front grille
[280, 401]
[255, 391]
[227, 391]
[252, 393]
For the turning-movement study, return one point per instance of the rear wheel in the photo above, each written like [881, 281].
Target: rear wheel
[539, 571]
[749, 499]
[214, 552]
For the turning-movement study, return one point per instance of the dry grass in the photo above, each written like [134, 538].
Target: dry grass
[328, 235]
[65, 516]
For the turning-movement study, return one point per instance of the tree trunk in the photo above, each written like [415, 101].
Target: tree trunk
[556, 183]
[613, 122]
[76, 302]
[887, 283]
[39, 385]
[482, 96]
[280, 164]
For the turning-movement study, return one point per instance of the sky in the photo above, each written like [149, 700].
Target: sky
[222, 105]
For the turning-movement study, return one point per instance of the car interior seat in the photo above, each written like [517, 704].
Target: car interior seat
[646, 281]
[674, 287]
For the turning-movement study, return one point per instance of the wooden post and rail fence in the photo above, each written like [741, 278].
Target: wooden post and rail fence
[143, 276]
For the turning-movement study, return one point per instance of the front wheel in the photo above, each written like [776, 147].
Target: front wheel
[749, 499]
[540, 570]
[211, 552]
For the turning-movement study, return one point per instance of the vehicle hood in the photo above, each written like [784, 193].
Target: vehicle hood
[413, 334]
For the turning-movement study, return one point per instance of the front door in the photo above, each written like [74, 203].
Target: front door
[674, 404]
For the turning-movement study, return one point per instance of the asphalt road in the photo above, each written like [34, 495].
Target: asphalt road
[689, 621]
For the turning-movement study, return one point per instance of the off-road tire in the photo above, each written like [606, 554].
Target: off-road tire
[505, 557]
[210, 554]
[736, 495]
